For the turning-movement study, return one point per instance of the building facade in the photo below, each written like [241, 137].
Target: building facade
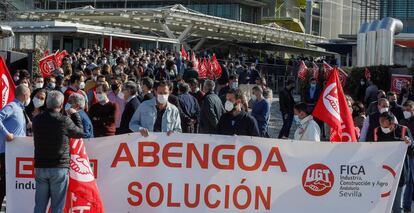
[400, 9]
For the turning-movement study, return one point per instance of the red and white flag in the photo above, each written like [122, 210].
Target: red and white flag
[326, 69]
[332, 108]
[216, 66]
[83, 193]
[315, 69]
[195, 61]
[202, 68]
[342, 76]
[47, 65]
[367, 73]
[210, 69]
[6, 84]
[59, 57]
[303, 70]
[184, 53]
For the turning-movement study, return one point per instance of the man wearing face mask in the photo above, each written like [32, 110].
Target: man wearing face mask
[161, 73]
[190, 73]
[372, 121]
[232, 84]
[157, 114]
[390, 131]
[77, 102]
[286, 103]
[12, 123]
[77, 83]
[308, 129]
[260, 110]
[116, 96]
[102, 113]
[394, 107]
[312, 94]
[38, 83]
[236, 121]
[408, 121]
[129, 90]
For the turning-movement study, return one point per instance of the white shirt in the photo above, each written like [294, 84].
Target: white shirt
[308, 130]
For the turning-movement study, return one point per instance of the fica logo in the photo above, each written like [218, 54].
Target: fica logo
[317, 179]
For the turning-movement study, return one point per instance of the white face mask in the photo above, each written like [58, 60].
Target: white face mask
[37, 102]
[407, 114]
[82, 85]
[38, 85]
[101, 97]
[228, 106]
[234, 85]
[386, 130]
[382, 110]
[64, 89]
[27, 102]
[254, 97]
[104, 61]
[121, 95]
[162, 99]
[83, 67]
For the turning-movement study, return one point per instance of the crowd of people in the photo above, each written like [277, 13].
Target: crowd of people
[99, 93]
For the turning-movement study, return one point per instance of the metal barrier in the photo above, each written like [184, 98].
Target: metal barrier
[277, 75]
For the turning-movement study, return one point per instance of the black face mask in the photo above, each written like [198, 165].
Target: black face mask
[114, 87]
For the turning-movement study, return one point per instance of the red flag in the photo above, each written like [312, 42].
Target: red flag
[332, 108]
[216, 66]
[367, 73]
[6, 85]
[210, 69]
[342, 76]
[303, 70]
[326, 69]
[315, 69]
[184, 53]
[83, 194]
[59, 56]
[47, 65]
[202, 69]
[195, 61]
[45, 53]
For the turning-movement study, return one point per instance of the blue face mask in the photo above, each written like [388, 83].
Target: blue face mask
[67, 106]
[296, 119]
[313, 85]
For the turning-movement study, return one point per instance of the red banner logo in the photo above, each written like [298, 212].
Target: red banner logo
[317, 179]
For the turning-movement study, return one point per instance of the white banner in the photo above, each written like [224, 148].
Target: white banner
[211, 173]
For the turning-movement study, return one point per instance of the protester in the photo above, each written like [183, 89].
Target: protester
[373, 106]
[102, 113]
[12, 124]
[116, 96]
[91, 93]
[236, 121]
[232, 84]
[260, 111]
[286, 103]
[132, 103]
[312, 94]
[358, 114]
[372, 121]
[408, 121]
[51, 133]
[91, 83]
[253, 74]
[147, 86]
[190, 73]
[37, 105]
[190, 108]
[38, 83]
[157, 114]
[395, 109]
[77, 102]
[371, 92]
[77, 83]
[390, 131]
[195, 91]
[308, 129]
[211, 109]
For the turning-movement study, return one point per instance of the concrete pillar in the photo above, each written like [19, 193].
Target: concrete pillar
[50, 42]
[308, 18]
[110, 43]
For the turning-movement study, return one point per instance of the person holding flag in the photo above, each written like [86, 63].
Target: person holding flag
[332, 108]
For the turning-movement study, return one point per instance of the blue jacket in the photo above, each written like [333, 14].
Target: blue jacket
[146, 114]
[261, 112]
[87, 124]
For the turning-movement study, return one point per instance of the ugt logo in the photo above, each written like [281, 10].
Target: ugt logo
[317, 179]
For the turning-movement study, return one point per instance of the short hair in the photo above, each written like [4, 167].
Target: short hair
[131, 87]
[190, 64]
[21, 90]
[387, 116]
[290, 81]
[105, 87]
[148, 82]
[409, 103]
[78, 99]
[258, 89]
[238, 94]
[193, 82]
[100, 77]
[162, 84]
[54, 100]
[382, 100]
[183, 87]
[232, 77]
[209, 84]
[301, 107]
[75, 77]
[390, 93]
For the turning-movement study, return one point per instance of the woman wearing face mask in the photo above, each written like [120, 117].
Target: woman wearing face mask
[308, 129]
[37, 104]
[102, 113]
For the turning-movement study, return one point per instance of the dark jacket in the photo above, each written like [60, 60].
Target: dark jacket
[224, 78]
[51, 133]
[191, 112]
[253, 76]
[129, 110]
[286, 101]
[211, 111]
[244, 77]
[241, 124]
[189, 74]
[396, 110]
